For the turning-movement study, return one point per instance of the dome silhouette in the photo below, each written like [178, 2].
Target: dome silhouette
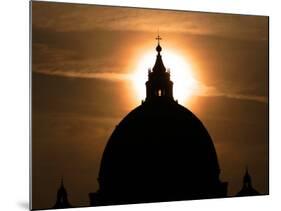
[159, 152]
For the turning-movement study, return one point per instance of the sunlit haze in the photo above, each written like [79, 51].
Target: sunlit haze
[185, 85]
[89, 68]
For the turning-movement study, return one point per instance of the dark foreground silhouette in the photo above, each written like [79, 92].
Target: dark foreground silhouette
[159, 152]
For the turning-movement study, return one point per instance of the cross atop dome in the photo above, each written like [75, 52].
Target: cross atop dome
[158, 38]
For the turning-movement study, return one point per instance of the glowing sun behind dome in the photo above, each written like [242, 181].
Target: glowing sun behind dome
[158, 127]
[185, 84]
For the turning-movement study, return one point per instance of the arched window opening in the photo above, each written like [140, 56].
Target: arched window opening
[159, 93]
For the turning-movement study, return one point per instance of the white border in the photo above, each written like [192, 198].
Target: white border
[14, 112]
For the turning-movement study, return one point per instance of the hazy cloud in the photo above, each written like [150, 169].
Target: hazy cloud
[75, 17]
[83, 57]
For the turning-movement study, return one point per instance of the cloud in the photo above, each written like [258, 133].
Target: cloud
[204, 90]
[60, 62]
[78, 74]
[85, 41]
[262, 99]
[213, 91]
[75, 17]
[82, 42]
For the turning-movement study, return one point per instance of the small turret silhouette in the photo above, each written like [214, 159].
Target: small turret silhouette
[247, 188]
[62, 201]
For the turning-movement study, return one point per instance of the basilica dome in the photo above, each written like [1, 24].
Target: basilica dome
[159, 152]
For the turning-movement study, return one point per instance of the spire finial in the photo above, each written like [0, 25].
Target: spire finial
[158, 38]
[158, 48]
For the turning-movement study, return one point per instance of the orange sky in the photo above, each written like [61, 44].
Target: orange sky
[82, 59]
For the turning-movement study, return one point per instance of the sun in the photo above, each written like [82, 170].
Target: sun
[185, 84]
